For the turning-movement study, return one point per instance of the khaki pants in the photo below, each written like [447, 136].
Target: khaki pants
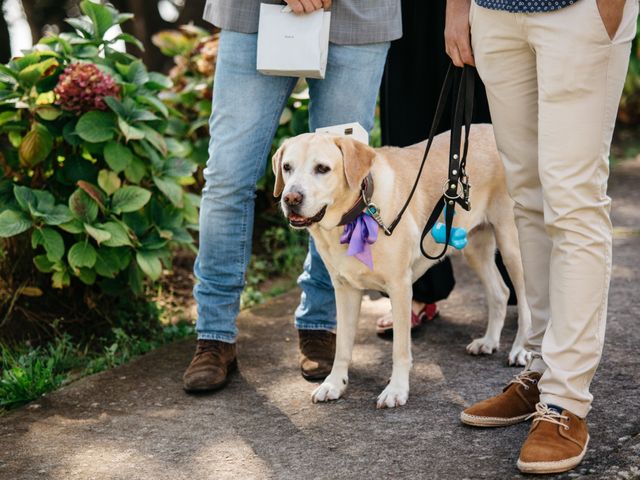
[554, 82]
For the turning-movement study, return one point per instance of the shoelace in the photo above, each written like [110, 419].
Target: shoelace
[522, 378]
[545, 414]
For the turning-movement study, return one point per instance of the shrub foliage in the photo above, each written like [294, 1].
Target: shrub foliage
[94, 164]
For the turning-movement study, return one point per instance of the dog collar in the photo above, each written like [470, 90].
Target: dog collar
[366, 191]
[364, 204]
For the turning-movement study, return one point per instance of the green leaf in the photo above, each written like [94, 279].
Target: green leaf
[25, 197]
[149, 263]
[117, 156]
[60, 279]
[119, 236]
[100, 16]
[43, 264]
[51, 240]
[83, 206]
[96, 126]
[107, 263]
[82, 254]
[82, 25]
[36, 146]
[86, 276]
[171, 189]
[58, 215]
[157, 81]
[98, 234]
[137, 73]
[129, 199]
[30, 75]
[109, 181]
[155, 138]
[135, 279]
[130, 39]
[13, 223]
[155, 103]
[129, 132]
[179, 167]
[72, 226]
[136, 170]
[48, 113]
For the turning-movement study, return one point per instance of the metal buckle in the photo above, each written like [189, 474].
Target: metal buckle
[374, 211]
[447, 188]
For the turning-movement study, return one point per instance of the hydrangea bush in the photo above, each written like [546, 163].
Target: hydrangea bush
[93, 164]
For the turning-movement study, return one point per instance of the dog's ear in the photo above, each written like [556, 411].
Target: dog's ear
[357, 159]
[276, 164]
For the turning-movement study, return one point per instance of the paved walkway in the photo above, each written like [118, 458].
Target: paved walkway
[135, 422]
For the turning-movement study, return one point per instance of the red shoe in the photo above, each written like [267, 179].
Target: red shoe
[384, 325]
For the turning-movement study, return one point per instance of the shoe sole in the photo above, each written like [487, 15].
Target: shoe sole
[477, 421]
[318, 377]
[558, 466]
[233, 366]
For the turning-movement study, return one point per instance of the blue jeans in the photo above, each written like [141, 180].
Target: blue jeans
[246, 109]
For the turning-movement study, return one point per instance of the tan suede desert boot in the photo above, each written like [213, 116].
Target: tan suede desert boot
[210, 367]
[317, 349]
[516, 402]
[556, 443]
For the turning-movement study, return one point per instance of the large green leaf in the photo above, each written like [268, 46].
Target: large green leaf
[58, 215]
[117, 156]
[149, 263]
[13, 223]
[107, 262]
[83, 206]
[96, 126]
[82, 254]
[119, 236]
[109, 181]
[35, 72]
[129, 132]
[43, 264]
[136, 170]
[99, 235]
[51, 240]
[171, 189]
[36, 146]
[101, 18]
[129, 199]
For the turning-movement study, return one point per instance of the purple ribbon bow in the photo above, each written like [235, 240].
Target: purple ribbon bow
[360, 234]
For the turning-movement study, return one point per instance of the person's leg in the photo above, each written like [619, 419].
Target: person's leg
[246, 108]
[581, 72]
[508, 68]
[348, 93]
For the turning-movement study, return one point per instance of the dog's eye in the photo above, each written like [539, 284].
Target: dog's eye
[322, 168]
[286, 167]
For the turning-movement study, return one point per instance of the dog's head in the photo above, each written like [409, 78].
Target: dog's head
[319, 176]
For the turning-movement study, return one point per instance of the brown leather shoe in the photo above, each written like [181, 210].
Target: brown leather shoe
[556, 443]
[210, 367]
[516, 402]
[317, 349]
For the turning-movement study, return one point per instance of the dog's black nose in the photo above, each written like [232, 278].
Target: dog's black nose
[293, 198]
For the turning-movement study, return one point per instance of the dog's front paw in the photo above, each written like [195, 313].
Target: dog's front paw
[483, 346]
[518, 357]
[393, 396]
[329, 390]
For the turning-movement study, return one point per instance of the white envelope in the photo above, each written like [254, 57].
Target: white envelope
[292, 45]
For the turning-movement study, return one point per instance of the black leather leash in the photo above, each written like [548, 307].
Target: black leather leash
[456, 190]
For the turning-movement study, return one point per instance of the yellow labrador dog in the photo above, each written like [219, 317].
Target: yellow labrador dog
[320, 178]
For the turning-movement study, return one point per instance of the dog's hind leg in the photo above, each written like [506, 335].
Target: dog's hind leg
[480, 254]
[507, 238]
[348, 302]
[397, 391]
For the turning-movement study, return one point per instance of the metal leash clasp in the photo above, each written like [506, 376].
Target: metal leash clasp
[373, 210]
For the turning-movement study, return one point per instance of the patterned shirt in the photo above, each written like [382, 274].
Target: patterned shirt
[529, 6]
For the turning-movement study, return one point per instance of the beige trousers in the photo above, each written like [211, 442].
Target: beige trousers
[554, 82]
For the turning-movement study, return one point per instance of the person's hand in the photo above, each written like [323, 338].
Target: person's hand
[457, 36]
[308, 6]
[611, 12]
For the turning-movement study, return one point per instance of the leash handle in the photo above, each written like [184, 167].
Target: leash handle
[457, 164]
[464, 79]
